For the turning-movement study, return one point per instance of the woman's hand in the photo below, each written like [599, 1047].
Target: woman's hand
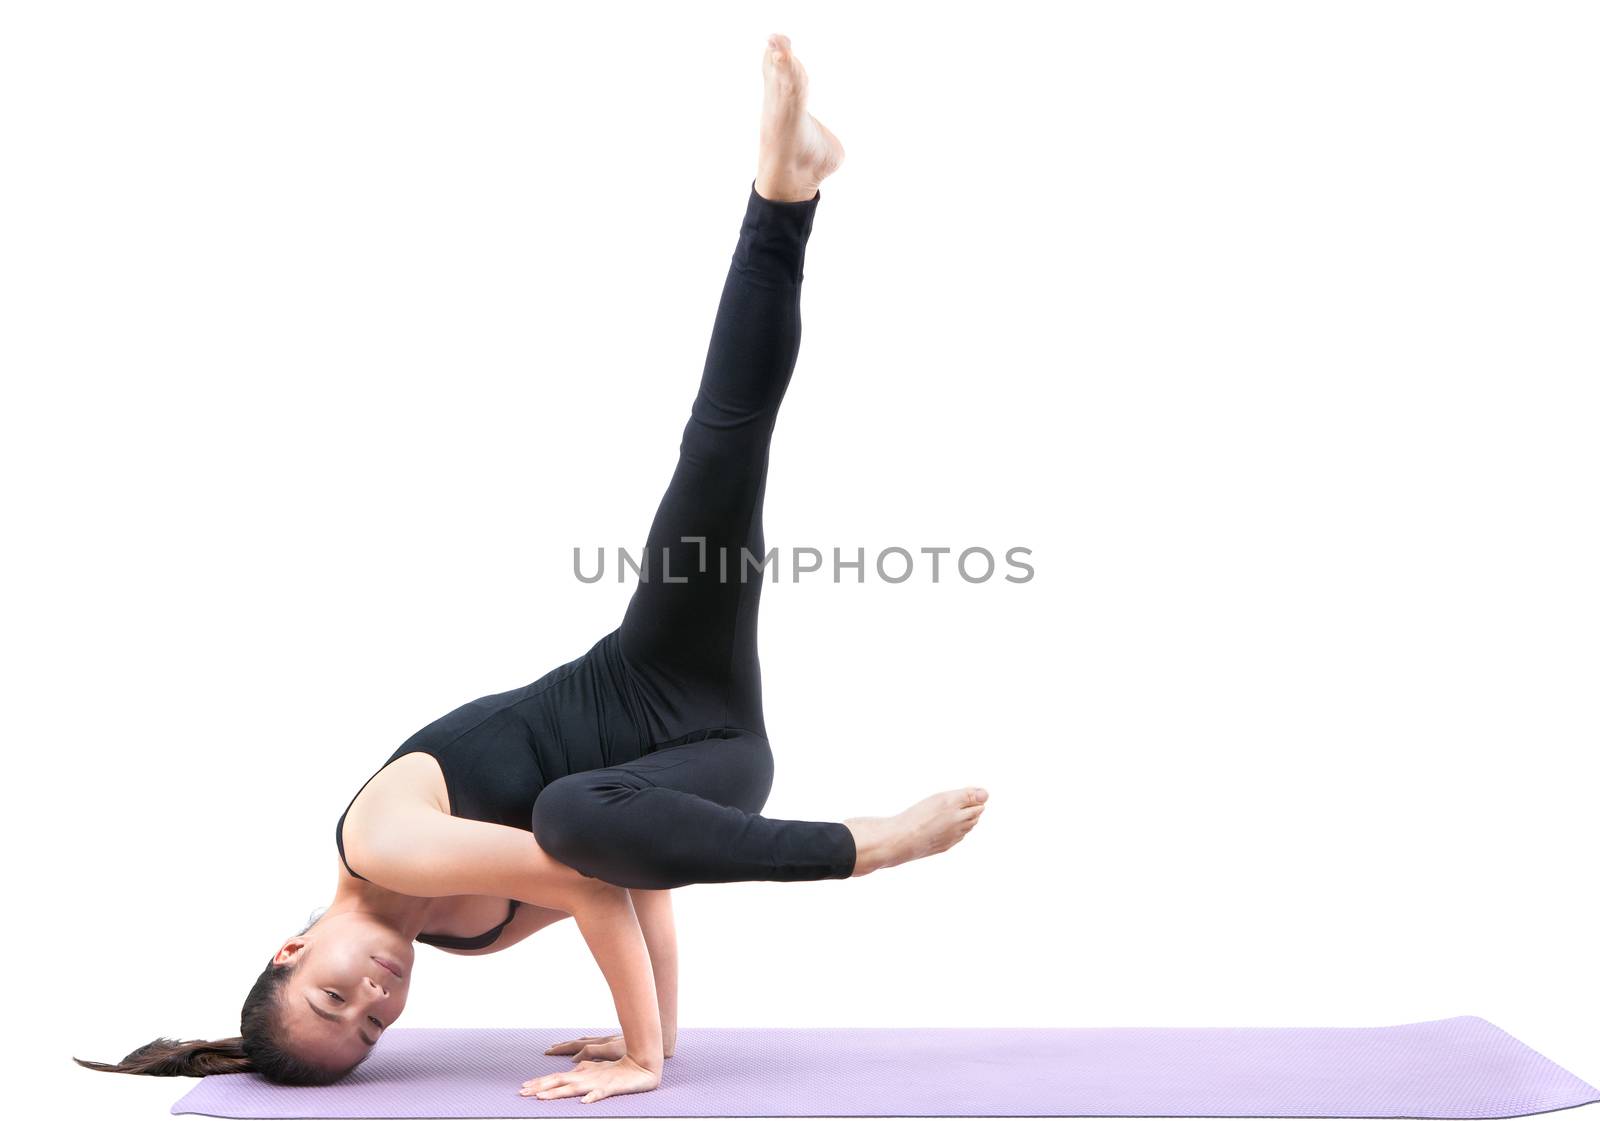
[595, 1047]
[591, 1047]
[594, 1080]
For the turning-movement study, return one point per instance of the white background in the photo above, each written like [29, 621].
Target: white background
[331, 329]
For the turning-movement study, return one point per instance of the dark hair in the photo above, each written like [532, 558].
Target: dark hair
[258, 1047]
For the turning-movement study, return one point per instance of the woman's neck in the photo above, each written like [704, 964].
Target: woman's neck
[408, 914]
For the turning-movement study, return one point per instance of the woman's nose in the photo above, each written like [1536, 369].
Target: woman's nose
[377, 986]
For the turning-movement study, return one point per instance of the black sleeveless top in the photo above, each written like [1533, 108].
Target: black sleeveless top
[498, 752]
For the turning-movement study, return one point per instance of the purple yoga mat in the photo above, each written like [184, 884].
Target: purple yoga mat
[1462, 1067]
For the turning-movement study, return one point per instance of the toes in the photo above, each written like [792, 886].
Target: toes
[784, 65]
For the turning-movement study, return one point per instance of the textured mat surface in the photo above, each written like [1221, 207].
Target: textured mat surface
[1462, 1067]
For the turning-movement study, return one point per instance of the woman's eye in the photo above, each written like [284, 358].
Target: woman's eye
[375, 1020]
[335, 995]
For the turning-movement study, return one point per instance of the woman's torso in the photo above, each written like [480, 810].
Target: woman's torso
[489, 759]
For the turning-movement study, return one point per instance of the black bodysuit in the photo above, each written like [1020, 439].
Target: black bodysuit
[645, 761]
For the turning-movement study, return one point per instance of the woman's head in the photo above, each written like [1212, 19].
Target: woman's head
[312, 1016]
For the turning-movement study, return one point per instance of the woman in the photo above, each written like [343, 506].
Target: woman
[636, 768]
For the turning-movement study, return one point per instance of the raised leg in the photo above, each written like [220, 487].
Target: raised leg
[689, 632]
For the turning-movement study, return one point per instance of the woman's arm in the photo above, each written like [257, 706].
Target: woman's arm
[608, 923]
[654, 909]
[417, 850]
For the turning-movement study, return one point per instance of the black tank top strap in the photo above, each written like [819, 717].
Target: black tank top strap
[475, 942]
[338, 839]
[338, 830]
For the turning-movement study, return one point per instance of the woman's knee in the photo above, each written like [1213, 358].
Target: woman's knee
[568, 815]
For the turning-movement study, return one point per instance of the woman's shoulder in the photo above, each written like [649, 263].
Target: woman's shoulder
[406, 783]
[411, 779]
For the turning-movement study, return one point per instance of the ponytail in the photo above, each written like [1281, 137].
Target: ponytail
[189, 1058]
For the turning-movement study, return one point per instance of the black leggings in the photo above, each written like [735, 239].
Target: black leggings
[689, 811]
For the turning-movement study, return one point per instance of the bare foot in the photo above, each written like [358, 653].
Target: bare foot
[797, 153]
[930, 826]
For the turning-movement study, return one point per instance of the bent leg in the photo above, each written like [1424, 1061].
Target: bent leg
[686, 815]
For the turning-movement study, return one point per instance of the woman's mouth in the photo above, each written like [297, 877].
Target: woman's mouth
[389, 965]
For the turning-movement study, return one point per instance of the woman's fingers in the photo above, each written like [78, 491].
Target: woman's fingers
[564, 1085]
[559, 1079]
[565, 1090]
[590, 1047]
[538, 1085]
[568, 1046]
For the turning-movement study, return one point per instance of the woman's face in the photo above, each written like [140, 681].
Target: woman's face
[350, 984]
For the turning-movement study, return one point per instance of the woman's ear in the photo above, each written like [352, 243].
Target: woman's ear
[289, 951]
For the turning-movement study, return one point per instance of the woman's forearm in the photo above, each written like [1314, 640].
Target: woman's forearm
[654, 909]
[606, 918]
